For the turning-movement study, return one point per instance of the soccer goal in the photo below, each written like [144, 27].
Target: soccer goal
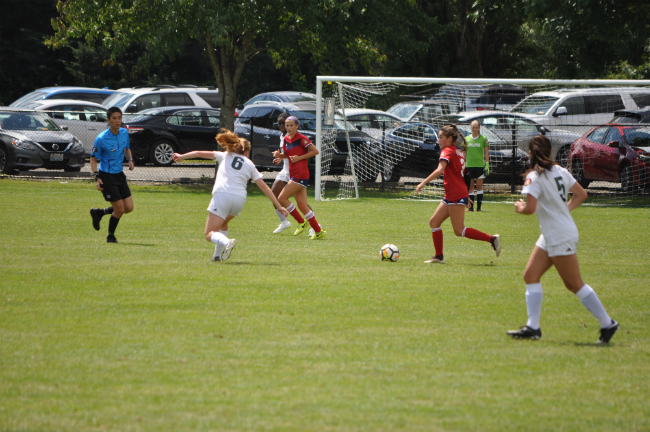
[381, 134]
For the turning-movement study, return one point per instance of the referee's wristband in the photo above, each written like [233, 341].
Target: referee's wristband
[96, 175]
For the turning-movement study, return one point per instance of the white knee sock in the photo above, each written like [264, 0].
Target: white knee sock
[220, 240]
[534, 295]
[282, 217]
[590, 300]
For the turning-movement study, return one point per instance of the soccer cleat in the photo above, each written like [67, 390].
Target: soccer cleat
[283, 226]
[318, 235]
[111, 239]
[216, 258]
[607, 333]
[496, 243]
[225, 254]
[437, 259]
[97, 215]
[525, 332]
[300, 229]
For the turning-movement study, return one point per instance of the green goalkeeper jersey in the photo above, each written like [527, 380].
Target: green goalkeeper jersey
[475, 151]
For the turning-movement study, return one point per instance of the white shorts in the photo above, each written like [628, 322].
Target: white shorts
[283, 176]
[569, 247]
[224, 204]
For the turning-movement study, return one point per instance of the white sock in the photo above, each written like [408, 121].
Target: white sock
[590, 300]
[282, 217]
[534, 296]
[220, 241]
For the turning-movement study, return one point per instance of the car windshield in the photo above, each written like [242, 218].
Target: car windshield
[26, 122]
[308, 121]
[117, 99]
[535, 105]
[404, 110]
[637, 137]
[301, 98]
[29, 97]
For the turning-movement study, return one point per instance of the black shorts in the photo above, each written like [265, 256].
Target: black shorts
[474, 172]
[114, 186]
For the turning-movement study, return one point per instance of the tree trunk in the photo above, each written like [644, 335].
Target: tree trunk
[228, 73]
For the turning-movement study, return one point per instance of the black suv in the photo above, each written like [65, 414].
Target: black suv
[258, 123]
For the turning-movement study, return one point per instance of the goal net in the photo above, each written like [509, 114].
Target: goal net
[382, 134]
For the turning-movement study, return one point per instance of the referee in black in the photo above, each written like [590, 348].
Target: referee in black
[110, 149]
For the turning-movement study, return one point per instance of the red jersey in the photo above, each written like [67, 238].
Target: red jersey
[297, 146]
[454, 180]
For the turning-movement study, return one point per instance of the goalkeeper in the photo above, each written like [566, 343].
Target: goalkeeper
[478, 164]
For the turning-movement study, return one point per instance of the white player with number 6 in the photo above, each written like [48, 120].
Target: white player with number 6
[229, 192]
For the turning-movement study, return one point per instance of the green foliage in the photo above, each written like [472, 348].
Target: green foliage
[292, 334]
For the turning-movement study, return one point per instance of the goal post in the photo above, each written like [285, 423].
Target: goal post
[388, 157]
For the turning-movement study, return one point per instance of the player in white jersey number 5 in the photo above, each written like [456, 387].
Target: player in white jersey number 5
[229, 192]
[546, 188]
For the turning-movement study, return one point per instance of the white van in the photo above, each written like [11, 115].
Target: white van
[594, 106]
[136, 99]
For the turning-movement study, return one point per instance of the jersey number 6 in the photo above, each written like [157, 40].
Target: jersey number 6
[237, 163]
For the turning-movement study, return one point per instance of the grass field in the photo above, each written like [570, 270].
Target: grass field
[299, 335]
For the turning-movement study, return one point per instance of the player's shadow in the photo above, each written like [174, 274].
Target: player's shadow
[588, 344]
[481, 265]
[251, 263]
[137, 244]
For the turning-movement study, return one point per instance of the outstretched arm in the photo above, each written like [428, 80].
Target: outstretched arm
[434, 175]
[260, 184]
[194, 155]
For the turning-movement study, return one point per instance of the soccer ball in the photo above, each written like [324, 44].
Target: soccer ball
[389, 252]
[312, 232]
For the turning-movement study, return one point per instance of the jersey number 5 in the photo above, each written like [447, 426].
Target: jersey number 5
[237, 163]
[561, 188]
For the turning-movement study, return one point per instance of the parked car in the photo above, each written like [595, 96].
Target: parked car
[155, 134]
[520, 129]
[88, 94]
[136, 99]
[413, 150]
[265, 137]
[30, 140]
[280, 96]
[580, 107]
[85, 120]
[427, 111]
[632, 116]
[372, 122]
[495, 97]
[613, 153]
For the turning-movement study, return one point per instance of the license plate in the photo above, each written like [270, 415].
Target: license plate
[56, 157]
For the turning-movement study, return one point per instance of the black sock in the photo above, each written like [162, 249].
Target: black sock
[112, 225]
[108, 210]
[479, 200]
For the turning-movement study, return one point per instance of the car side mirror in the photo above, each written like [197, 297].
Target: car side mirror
[132, 108]
[358, 126]
[560, 111]
[614, 144]
[65, 128]
[543, 130]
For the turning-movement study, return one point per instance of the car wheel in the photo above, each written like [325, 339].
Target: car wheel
[4, 168]
[161, 153]
[367, 175]
[627, 179]
[392, 174]
[562, 156]
[579, 173]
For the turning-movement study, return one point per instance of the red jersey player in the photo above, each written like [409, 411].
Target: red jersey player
[452, 163]
[298, 148]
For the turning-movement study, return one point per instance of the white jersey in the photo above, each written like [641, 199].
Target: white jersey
[234, 172]
[285, 162]
[551, 189]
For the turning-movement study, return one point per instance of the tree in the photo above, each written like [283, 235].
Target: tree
[331, 33]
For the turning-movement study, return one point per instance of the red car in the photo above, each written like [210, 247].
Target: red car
[613, 153]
